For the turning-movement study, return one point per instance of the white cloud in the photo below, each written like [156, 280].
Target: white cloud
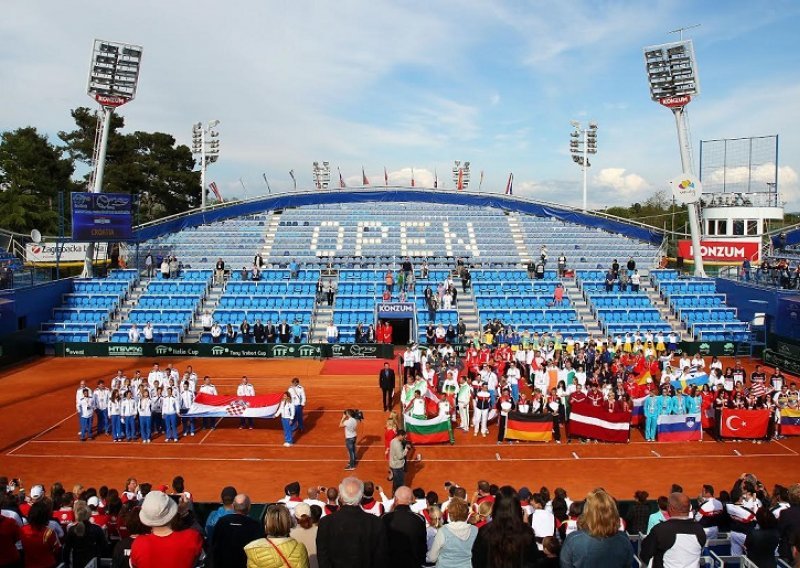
[625, 185]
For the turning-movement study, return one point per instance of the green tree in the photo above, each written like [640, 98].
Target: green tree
[32, 173]
[148, 165]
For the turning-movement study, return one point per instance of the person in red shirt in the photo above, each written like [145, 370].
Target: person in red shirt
[594, 395]
[10, 534]
[63, 509]
[164, 546]
[97, 516]
[39, 542]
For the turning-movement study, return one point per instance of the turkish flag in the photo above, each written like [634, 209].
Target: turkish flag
[736, 423]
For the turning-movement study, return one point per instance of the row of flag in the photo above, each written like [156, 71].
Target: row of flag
[365, 181]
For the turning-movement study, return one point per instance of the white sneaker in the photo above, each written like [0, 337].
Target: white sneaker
[192, 434]
[287, 445]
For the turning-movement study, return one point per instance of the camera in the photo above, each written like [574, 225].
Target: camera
[355, 413]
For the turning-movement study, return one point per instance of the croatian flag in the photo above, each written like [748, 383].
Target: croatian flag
[679, 428]
[224, 406]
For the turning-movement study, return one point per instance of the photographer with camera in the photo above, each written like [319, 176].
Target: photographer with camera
[349, 422]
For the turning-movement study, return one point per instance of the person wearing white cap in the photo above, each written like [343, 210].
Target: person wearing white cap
[163, 546]
[305, 532]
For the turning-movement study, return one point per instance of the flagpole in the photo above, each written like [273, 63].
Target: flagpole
[269, 189]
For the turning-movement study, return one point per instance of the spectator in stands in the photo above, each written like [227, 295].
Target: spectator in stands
[284, 332]
[173, 267]
[227, 496]
[10, 535]
[244, 274]
[636, 281]
[558, 295]
[609, 280]
[230, 333]
[351, 537]
[219, 271]
[452, 545]
[615, 268]
[258, 262]
[133, 529]
[405, 532]
[388, 280]
[598, 542]
[562, 265]
[147, 332]
[245, 332]
[305, 531]
[216, 333]
[207, 321]
[297, 331]
[165, 546]
[330, 292]
[332, 333]
[232, 533]
[271, 331]
[789, 522]
[746, 270]
[133, 334]
[148, 265]
[40, 542]
[255, 274]
[763, 541]
[631, 265]
[540, 271]
[507, 540]
[259, 333]
[165, 268]
[83, 541]
[638, 513]
[679, 540]
[466, 280]
[293, 271]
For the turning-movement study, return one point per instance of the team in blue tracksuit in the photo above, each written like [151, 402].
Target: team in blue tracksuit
[652, 406]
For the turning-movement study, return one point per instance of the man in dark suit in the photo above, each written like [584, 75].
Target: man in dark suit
[405, 532]
[271, 331]
[284, 332]
[351, 537]
[386, 380]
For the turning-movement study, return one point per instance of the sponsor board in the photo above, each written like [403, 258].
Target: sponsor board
[70, 252]
[234, 350]
[686, 188]
[675, 102]
[733, 251]
[110, 101]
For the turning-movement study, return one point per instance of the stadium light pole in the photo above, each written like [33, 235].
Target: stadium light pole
[672, 76]
[321, 172]
[582, 142]
[113, 79]
[205, 143]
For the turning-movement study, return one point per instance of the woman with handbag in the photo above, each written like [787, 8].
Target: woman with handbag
[277, 549]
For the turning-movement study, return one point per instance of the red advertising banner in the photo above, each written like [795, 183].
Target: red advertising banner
[723, 250]
[675, 102]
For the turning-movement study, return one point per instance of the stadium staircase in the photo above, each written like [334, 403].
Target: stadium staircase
[125, 308]
[322, 315]
[210, 303]
[667, 315]
[577, 300]
[518, 235]
[269, 235]
[467, 310]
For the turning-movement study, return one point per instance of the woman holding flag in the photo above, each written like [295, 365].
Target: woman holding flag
[286, 412]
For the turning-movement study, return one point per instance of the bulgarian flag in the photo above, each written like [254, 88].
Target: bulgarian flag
[790, 422]
[224, 406]
[531, 427]
[434, 431]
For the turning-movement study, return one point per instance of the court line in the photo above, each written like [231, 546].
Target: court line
[383, 461]
[786, 447]
[42, 433]
[211, 430]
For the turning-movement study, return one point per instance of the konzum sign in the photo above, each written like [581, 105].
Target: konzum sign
[732, 251]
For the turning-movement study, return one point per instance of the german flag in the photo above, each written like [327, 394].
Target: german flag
[790, 422]
[531, 427]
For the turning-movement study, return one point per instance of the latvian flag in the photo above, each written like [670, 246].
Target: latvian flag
[589, 421]
[223, 406]
[790, 422]
[437, 430]
[679, 428]
[531, 427]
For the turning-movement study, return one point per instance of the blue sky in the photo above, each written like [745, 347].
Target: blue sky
[414, 84]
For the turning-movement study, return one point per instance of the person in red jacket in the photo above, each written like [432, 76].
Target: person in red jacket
[164, 546]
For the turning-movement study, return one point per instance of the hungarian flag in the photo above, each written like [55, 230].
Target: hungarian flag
[437, 430]
[737, 423]
[215, 189]
[510, 184]
[341, 179]
[790, 422]
[589, 421]
[460, 182]
[364, 180]
[531, 427]
[679, 428]
[223, 406]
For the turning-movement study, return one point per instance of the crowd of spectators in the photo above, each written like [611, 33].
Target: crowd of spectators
[358, 524]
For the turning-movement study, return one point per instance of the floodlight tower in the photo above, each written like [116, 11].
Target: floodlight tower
[672, 75]
[461, 175]
[205, 142]
[113, 79]
[321, 172]
[582, 142]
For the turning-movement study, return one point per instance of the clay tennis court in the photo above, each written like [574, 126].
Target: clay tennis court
[39, 442]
